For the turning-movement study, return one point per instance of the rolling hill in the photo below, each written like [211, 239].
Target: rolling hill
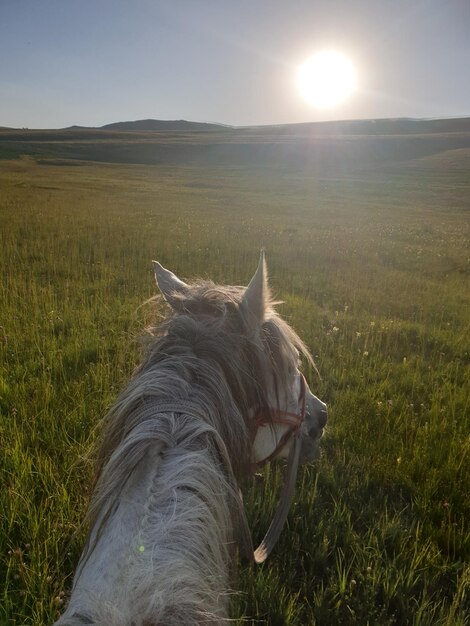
[318, 147]
[162, 125]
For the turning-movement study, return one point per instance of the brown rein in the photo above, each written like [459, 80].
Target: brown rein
[294, 421]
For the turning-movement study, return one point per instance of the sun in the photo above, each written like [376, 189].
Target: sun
[327, 79]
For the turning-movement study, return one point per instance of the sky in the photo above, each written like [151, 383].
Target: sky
[93, 62]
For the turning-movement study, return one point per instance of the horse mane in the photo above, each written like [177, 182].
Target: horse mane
[205, 369]
[208, 349]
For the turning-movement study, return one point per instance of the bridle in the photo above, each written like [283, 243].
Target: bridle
[271, 417]
[294, 422]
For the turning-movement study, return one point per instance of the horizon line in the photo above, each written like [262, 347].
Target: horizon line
[243, 126]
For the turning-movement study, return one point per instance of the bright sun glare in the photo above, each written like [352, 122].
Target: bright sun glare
[327, 79]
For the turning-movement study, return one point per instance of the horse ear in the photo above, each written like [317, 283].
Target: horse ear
[169, 284]
[256, 297]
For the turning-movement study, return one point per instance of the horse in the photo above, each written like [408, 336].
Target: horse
[219, 392]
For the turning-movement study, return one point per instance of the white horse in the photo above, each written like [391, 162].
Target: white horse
[218, 392]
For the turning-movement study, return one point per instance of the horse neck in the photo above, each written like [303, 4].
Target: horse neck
[162, 543]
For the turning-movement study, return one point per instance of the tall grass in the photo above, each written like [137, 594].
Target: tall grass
[373, 271]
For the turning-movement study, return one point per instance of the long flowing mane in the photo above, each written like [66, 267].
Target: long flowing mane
[178, 436]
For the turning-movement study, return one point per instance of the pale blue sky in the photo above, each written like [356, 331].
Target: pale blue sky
[92, 62]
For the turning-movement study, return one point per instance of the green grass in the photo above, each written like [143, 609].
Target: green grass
[373, 269]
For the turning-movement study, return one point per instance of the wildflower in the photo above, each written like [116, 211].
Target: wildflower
[365, 353]
[335, 329]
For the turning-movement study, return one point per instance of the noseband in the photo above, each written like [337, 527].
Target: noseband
[285, 418]
[294, 421]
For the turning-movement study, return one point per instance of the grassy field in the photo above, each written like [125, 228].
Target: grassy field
[373, 266]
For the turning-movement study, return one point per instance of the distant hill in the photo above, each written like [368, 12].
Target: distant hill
[163, 125]
[323, 147]
[75, 127]
[386, 126]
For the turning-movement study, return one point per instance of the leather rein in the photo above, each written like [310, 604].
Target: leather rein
[294, 422]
